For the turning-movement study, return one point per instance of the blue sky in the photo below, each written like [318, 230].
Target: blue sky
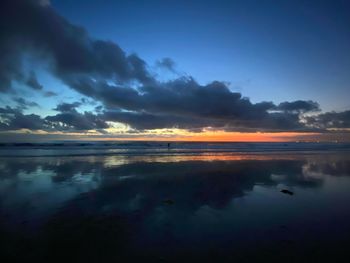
[267, 50]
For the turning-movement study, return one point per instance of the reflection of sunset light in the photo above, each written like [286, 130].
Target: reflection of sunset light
[123, 160]
[120, 160]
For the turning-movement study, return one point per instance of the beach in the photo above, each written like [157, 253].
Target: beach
[159, 206]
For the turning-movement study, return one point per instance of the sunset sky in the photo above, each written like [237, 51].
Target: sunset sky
[174, 70]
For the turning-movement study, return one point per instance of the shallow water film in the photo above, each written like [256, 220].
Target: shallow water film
[290, 207]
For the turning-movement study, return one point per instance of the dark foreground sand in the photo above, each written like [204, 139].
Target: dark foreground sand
[182, 208]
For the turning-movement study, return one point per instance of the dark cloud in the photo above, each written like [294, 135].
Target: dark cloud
[184, 103]
[328, 120]
[99, 108]
[9, 62]
[30, 121]
[24, 104]
[39, 29]
[33, 83]
[88, 102]
[14, 119]
[73, 120]
[299, 106]
[67, 107]
[70, 119]
[166, 63]
[123, 83]
[50, 94]
[67, 120]
[8, 110]
[146, 121]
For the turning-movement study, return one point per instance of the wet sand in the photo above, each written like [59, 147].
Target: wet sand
[176, 208]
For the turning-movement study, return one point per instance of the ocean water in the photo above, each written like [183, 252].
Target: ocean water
[191, 202]
[74, 148]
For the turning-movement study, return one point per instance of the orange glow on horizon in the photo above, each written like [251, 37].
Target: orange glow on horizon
[247, 137]
[228, 137]
[183, 135]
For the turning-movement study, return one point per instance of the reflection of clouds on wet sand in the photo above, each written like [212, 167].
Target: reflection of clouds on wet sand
[29, 188]
[143, 182]
[151, 199]
[329, 165]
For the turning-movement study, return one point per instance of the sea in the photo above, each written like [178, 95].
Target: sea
[136, 201]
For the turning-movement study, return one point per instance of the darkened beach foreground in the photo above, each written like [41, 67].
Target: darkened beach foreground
[192, 203]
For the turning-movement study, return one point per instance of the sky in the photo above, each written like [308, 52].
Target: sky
[174, 70]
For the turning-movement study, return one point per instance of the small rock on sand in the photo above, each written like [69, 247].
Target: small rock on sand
[285, 191]
[168, 202]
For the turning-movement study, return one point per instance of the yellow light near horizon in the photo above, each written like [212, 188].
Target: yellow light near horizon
[219, 136]
[123, 133]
